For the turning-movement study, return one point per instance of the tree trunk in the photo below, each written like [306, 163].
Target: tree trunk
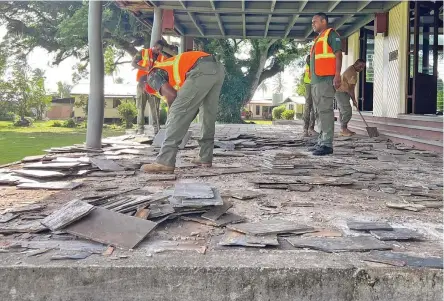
[255, 82]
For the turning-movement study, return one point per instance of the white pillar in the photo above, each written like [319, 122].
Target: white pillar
[96, 101]
[156, 35]
[183, 42]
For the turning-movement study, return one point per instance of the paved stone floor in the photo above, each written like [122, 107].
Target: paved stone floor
[397, 175]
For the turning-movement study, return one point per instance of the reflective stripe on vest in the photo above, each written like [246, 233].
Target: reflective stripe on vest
[176, 73]
[325, 59]
[307, 75]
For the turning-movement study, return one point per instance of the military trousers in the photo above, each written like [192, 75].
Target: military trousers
[323, 94]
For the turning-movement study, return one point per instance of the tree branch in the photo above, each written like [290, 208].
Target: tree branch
[272, 71]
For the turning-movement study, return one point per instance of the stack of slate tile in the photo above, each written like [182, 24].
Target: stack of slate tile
[195, 195]
[278, 160]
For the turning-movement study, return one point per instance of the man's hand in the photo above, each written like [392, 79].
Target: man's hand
[337, 81]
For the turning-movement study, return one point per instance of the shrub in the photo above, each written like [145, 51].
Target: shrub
[277, 112]
[56, 124]
[69, 123]
[288, 115]
[127, 111]
[25, 121]
[8, 116]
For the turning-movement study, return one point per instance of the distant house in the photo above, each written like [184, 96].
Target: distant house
[114, 95]
[259, 108]
[296, 103]
[61, 108]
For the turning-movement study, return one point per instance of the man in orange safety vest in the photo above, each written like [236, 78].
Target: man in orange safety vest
[325, 73]
[143, 62]
[188, 82]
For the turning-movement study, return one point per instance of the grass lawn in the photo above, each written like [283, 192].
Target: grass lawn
[17, 142]
[268, 122]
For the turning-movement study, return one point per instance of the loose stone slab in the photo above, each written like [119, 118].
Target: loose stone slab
[73, 256]
[27, 208]
[217, 211]
[158, 210]
[31, 227]
[227, 218]
[68, 214]
[338, 244]
[193, 191]
[51, 185]
[215, 201]
[4, 218]
[9, 179]
[406, 206]
[52, 165]
[300, 188]
[242, 194]
[112, 228]
[398, 259]
[106, 165]
[41, 174]
[33, 158]
[275, 226]
[397, 234]
[233, 238]
[367, 226]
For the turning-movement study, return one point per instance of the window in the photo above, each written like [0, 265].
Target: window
[258, 110]
[291, 106]
[116, 102]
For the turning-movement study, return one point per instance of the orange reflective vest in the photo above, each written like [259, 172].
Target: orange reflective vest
[147, 60]
[177, 68]
[325, 59]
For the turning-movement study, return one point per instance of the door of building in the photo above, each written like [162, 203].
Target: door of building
[367, 50]
[423, 56]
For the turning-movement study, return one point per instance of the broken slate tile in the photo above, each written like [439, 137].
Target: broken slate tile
[9, 179]
[338, 244]
[27, 208]
[193, 191]
[406, 206]
[233, 238]
[227, 218]
[408, 260]
[68, 214]
[159, 210]
[215, 201]
[397, 234]
[52, 165]
[275, 226]
[300, 188]
[41, 174]
[217, 211]
[4, 218]
[33, 158]
[51, 185]
[112, 228]
[245, 194]
[106, 165]
[73, 256]
[37, 252]
[367, 226]
[31, 227]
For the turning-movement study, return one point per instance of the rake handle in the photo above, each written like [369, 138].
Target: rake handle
[361, 116]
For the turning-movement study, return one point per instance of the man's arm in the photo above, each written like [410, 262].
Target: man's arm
[351, 92]
[135, 61]
[335, 43]
[169, 93]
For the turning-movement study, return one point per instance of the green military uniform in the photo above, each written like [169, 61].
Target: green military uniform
[309, 115]
[141, 99]
[323, 93]
[200, 92]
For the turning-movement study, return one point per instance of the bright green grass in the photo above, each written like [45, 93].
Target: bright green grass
[17, 142]
[267, 122]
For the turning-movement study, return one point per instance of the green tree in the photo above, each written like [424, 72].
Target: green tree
[63, 89]
[127, 111]
[82, 102]
[300, 85]
[40, 100]
[264, 59]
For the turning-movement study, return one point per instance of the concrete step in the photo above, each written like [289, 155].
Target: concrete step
[216, 276]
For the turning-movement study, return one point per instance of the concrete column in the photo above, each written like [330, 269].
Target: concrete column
[96, 101]
[183, 44]
[156, 34]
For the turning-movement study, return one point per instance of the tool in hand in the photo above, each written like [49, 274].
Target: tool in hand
[371, 131]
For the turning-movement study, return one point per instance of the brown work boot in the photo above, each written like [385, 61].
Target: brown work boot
[345, 132]
[157, 168]
[200, 163]
[306, 134]
[312, 132]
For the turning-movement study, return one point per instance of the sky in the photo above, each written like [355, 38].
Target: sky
[40, 58]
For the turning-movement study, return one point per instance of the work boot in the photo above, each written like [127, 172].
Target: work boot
[313, 148]
[312, 132]
[323, 150]
[157, 168]
[200, 163]
[345, 132]
[306, 134]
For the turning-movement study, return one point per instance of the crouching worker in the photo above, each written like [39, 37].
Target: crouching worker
[187, 82]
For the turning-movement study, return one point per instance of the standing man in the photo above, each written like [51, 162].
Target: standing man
[345, 91]
[144, 61]
[325, 70]
[187, 82]
[309, 115]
